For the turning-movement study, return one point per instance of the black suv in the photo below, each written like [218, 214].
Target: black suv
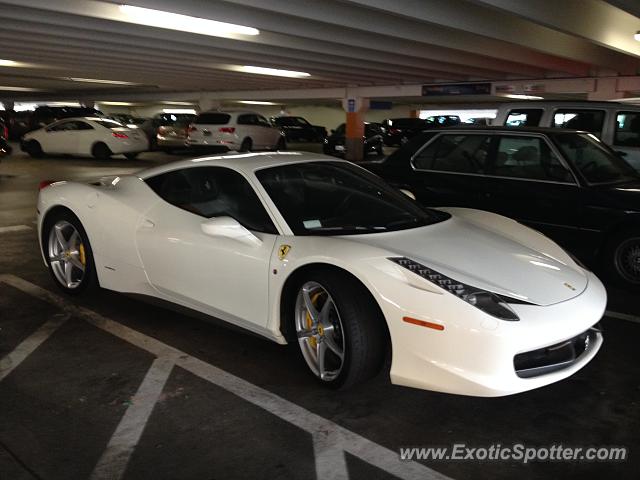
[566, 184]
[298, 129]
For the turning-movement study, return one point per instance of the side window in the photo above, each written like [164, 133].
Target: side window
[627, 129]
[213, 192]
[461, 153]
[528, 158]
[263, 122]
[81, 126]
[246, 119]
[524, 117]
[577, 119]
[59, 127]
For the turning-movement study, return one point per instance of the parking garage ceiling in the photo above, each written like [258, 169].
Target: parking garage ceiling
[99, 50]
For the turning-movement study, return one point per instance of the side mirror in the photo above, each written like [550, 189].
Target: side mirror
[408, 193]
[228, 227]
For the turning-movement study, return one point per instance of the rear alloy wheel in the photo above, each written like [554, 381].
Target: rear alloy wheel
[34, 149]
[131, 156]
[101, 151]
[246, 145]
[340, 333]
[69, 254]
[624, 258]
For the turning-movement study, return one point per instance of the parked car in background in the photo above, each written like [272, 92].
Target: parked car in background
[443, 120]
[397, 131]
[298, 129]
[97, 136]
[373, 143]
[167, 131]
[616, 124]
[567, 184]
[128, 120]
[5, 148]
[243, 131]
[17, 123]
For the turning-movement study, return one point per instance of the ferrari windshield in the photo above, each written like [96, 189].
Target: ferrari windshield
[337, 198]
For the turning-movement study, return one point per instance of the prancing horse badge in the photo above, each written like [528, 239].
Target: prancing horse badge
[283, 250]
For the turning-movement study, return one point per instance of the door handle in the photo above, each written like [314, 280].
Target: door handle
[146, 223]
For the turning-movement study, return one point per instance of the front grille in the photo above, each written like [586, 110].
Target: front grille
[555, 357]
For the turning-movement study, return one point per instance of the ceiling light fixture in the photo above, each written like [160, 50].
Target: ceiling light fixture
[172, 102]
[522, 97]
[189, 111]
[273, 72]
[637, 35]
[98, 80]
[183, 23]
[8, 63]
[10, 88]
[115, 104]
[256, 102]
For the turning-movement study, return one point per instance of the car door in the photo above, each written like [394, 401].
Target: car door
[268, 135]
[450, 170]
[626, 136]
[529, 181]
[218, 275]
[60, 138]
[85, 136]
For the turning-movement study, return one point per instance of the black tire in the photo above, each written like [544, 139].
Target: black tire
[364, 328]
[90, 278]
[101, 151]
[34, 149]
[246, 145]
[281, 145]
[131, 156]
[622, 258]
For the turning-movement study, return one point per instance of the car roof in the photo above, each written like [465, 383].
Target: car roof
[230, 111]
[503, 128]
[242, 162]
[565, 103]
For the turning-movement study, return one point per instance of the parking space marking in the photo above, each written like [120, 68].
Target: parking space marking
[330, 459]
[14, 228]
[114, 460]
[341, 438]
[14, 358]
[622, 316]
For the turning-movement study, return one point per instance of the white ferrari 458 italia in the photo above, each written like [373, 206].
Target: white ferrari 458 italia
[317, 251]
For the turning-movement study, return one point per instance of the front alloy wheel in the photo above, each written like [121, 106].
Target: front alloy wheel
[67, 255]
[320, 331]
[627, 260]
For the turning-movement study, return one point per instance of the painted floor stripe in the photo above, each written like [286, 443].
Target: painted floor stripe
[114, 460]
[317, 426]
[622, 316]
[14, 228]
[10, 361]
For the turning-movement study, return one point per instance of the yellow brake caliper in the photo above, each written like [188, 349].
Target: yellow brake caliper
[312, 340]
[83, 258]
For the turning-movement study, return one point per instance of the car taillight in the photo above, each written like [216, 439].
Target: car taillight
[119, 135]
[192, 128]
[162, 130]
[5, 132]
[45, 184]
[227, 129]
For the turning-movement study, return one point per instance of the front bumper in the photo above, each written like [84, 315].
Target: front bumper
[474, 354]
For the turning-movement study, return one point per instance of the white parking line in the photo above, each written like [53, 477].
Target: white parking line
[113, 462]
[320, 428]
[29, 344]
[14, 228]
[622, 316]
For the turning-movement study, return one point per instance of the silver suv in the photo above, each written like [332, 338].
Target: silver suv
[235, 130]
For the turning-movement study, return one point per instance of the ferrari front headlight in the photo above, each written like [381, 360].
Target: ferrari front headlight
[489, 302]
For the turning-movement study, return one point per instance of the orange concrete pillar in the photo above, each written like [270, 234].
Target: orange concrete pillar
[354, 134]
[414, 113]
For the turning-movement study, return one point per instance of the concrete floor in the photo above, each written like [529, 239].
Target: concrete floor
[73, 406]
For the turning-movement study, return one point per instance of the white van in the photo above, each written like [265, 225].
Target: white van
[616, 124]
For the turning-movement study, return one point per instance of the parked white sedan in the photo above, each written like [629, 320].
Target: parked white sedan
[100, 137]
[316, 251]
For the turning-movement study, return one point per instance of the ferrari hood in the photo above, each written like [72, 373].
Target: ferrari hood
[490, 252]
